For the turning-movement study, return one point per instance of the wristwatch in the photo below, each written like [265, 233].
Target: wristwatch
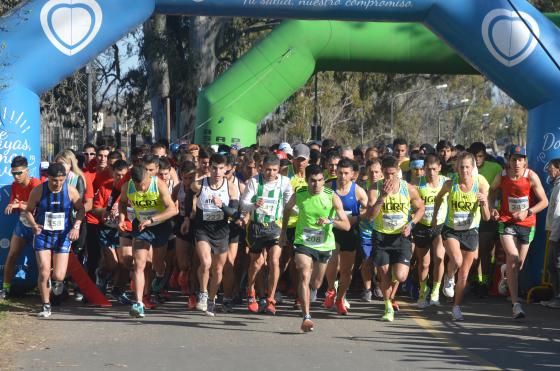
[529, 212]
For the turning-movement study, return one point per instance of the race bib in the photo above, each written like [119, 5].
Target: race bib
[24, 221]
[428, 214]
[348, 213]
[462, 221]
[518, 204]
[54, 221]
[212, 215]
[393, 221]
[313, 237]
[269, 207]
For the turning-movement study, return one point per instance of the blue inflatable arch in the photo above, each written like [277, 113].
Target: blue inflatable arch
[509, 41]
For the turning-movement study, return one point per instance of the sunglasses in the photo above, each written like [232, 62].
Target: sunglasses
[89, 153]
[15, 173]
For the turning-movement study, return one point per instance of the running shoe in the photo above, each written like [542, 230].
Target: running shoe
[340, 308]
[211, 308]
[366, 296]
[270, 306]
[202, 302]
[330, 297]
[45, 311]
[554, 303]
[297, 304]
[262, 305]
[346, 304]
[395, 305]
[100, 281]
[377, 292]
[518, 312]
[252, 304]
[448, 286]
[307, 324]
[388, 316]
[456, 313]
[435, 302]
[157, 284]
[422, 303]
[191, 303]
[137, 310]
[148, 302]
[503, 286]
[227, 306]
[124, 299]
[312, 295]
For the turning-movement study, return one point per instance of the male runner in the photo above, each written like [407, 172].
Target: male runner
[314, 239]
[389, 206]
[53, 202]
[264, 198]
[523, 196]
[21, 188]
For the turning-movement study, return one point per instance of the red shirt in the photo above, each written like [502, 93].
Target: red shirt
[20, 192]
[94, 182]
[517, 196]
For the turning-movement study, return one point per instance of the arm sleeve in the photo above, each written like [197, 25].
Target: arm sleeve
[232, 208]
[81, 187]
[247, 197]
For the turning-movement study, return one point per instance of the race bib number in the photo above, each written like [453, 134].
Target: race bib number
[462, 221]
[518, 204]
[24, 221]
[393, 221]
[54, 221]
[269, 207]
[428, 214]
[313, 237]
[211, 215]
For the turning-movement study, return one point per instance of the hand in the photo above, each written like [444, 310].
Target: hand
[495, 214]
[520, 215]
[259, 202]
[122, 226]
[239, 222]
[10, 207]
[407, 230]
[217, 201]
[482, 198]
[37, 228]
[323, 221]
[388, 187]
[144, 224]
[185, 226]
[74, 234]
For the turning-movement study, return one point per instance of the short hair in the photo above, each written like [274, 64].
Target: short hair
[103, 148]
[332, 154]
[443, 144]
[187, 167]
[157, 145]
[89, 145]
[460, 147]
[313, 170]
[314, 156]
[346, 163]
[137, 152]
[373, 162]
[328, 144]
[218, 159]
[164, 163]
[389, 162]
[150, 159]
[432, 159]
[464, 156]
[231, 160]
[399, 142]
[203, 153]
[271, 159]
[19, 161]
[345, 148]
[119, 165]
[477, 147]
[137, 174]
[114, 155]
[555, 163]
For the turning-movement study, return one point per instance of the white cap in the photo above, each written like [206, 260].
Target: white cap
[44, 165]
[286, 148]
[215, 147]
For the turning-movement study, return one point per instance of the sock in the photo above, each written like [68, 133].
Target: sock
[484, 279]
[435, 291]
[6, 287]
[423, 289]
[479, 278]
[388, 305]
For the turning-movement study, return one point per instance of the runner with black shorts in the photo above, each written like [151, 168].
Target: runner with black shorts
[391, 201]
[427, 238]
[523, 196]
[467, 200]
[319, 210]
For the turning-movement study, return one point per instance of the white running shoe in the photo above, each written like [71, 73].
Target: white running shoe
[422, 303]
[202, 302]
[346, 303]
[448, 286]
[45, 312]
[518, 311]
[456, 313]
[503, 286]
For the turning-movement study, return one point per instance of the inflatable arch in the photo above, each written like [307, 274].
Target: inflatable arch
[43, 41]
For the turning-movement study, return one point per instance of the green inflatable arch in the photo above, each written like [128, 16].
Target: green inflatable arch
[229, 109]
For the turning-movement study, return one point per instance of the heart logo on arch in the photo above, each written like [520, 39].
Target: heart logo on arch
[508, 37]
[71, 25]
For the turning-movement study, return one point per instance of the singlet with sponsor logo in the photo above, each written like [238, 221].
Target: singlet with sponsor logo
[428, 195]
[463, 211]
[272, 195]
[395, 211]
[53, 212]
[206, 210]
[311, 208]
[350, 202]
[296, 183]
[516, 196]
[145, 204]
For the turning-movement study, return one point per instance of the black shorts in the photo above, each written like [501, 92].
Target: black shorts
[490, 226]
[291, 235]
[316, 255]
[467, 239]
[391, 249]
[126, 234]
[108, 237]
[234, 233]
[215, 233]
[524, 235]
[178, 221]
[262, 236]
[424, 236]
[157, 235]
[347, 240]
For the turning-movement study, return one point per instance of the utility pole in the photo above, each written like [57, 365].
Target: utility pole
[89, 123]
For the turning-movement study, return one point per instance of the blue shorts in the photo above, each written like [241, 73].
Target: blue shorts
[59, 244]
[108, 237]
[23, 232]
[157, 235]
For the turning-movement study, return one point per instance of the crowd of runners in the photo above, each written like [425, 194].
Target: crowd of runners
[256, 226]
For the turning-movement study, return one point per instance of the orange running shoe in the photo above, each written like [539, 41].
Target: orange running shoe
[191, 304]
[252, 303]
[270, 306]
[340, 307]
[395, 305]
[148, 303]
[330, 296]
[307, 324]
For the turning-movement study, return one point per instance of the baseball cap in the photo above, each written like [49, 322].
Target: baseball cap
[286, 148]
[281, 154]
[56, 169]
[517, 150]
[301, 150]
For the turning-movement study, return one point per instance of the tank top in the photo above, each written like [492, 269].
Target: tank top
[312, 207]
[395, 211]
[463, 211]
[273, 197]
[428, 195]
[145, 204]
[516, 196]
[206, 210]
[349, 201]
[296, 183]
[182, 198]
[54, 211]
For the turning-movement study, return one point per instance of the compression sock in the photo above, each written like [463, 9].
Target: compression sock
[423, 289]
[435, 291]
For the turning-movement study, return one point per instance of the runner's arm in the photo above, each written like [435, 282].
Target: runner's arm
[417, 204]
[247, 204]
[538, 191]
[439, 199]
[362, 197]
[494, 191]
[483, 201]
[123, 202]
[341, 221]
[287, 212]
[232, 208]
[287, 193]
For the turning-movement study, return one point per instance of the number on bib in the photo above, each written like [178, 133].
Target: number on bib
[462, 221]
[212, 215]
[518, 204]
[313, 237]
[54, 221]
[393, 222]
[428, 214]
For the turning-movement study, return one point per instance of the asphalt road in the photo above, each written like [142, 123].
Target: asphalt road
[170, 338]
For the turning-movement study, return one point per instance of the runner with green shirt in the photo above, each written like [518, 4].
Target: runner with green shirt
[391, 202]
[319, 210]
[427, 238]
